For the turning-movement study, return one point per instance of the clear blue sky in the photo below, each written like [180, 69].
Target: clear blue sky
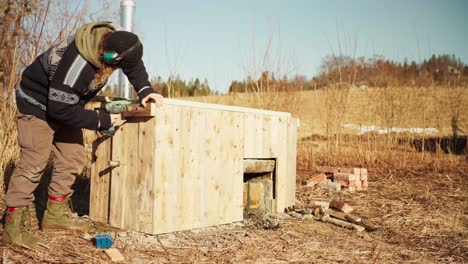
[218, 40]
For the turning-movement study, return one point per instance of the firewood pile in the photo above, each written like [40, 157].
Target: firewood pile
[336, 212]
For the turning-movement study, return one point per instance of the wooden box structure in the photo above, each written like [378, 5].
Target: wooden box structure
[184, 168]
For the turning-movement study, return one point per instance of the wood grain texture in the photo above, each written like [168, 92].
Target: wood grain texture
[228, 108]
[183, 168]
[131, 200]
[118, 180]
[281, 165]
[200, 167]
[100, 180]
[258, 165]
[291, 162]
[138, 111]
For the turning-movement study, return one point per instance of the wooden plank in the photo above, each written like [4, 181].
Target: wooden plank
[269, 145]
[233, 151]
[187, 179]
[211, 164]
[145, 177]
[259, 137]
[258, 165]
[161, 125]
[114, 254]
[253, 136]
[174, 189]
[249, 136]
[118, 181]
[100, 176]
[167, 167]
[291, 162]
[203, 184]
[176, 102]
[137, 111]
[281, 165]
[201, 171]
[131, 199]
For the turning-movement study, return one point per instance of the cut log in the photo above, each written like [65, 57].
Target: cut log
[326, 218]
[258, 165]
[343, 216]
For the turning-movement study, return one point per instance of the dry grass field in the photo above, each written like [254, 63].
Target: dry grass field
[418, 200]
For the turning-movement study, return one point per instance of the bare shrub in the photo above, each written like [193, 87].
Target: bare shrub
[27, 28]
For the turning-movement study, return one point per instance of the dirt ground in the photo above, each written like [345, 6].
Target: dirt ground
[418, 221]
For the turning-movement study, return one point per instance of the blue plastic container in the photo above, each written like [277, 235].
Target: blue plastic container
[104, 241]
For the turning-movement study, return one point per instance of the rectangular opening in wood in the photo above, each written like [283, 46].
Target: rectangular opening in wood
[259, 178]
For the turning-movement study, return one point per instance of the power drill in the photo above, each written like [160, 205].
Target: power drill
[117, 107]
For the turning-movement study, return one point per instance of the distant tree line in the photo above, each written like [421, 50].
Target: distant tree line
[442, 70]
[268, 82]
[378, 71]
[174, 86]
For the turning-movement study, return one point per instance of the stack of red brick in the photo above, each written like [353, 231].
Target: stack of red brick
[355, 179]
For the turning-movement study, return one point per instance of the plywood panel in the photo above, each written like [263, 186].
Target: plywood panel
[100, 177]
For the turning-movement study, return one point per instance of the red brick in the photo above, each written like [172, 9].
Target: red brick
[340, 176]
[356, 171]
[347, 183]
[363, 171]
[363, 177]
[358, 184]
[316, 179]
[365, 184]
[352, 189]
[340, 205]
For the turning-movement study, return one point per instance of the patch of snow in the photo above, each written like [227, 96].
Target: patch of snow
[362, 129]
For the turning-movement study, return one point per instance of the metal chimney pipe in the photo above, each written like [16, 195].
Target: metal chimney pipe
[127, 19]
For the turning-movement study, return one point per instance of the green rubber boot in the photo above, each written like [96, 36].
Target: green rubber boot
[14, 232]
[59, 215]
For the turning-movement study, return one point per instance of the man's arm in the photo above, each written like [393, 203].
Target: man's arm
[63, 106]
[138, 77]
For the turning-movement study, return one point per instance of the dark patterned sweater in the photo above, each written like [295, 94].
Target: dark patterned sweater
[57, 85]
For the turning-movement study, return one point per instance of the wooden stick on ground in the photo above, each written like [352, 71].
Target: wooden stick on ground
[328, 219]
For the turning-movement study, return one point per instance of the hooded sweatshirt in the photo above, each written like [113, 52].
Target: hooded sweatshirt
[57, 85]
